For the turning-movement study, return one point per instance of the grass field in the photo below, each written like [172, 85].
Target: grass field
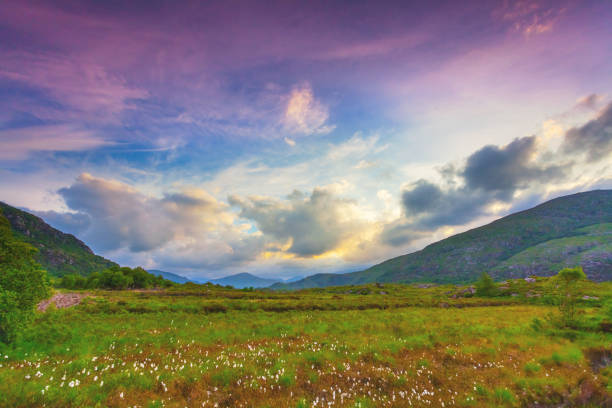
[361, 346]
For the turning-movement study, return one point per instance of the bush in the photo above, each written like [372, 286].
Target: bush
[485, 286]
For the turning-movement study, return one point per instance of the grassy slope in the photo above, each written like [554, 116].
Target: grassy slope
[462, 257]
[205, 345]
[59, 253]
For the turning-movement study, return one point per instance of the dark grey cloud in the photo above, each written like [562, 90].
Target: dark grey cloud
[313, 224]
[491, 174]
[422, 197]
[503, 170]
[430, 207]
[593, 138]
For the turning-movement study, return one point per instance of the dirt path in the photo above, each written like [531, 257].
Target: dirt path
[62, 300]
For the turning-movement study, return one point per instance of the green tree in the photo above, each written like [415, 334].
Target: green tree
[568, 292]
[23, 282]
[485, 286]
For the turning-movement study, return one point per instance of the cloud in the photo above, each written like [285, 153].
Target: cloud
[304, 114]
[373, 48]
[593, 138]
[356, 147]
[400, 233]
[122, 217]
[530, 17]
[591, 101]
[429, 207]
[307, 225]
[87, 88]
[71, 223]
[503, 170]
[18, 144]
[491, 175]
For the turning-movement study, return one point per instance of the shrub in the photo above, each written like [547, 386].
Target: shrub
[504, 396]
[485, 286]
[568, 292]
[286, 380]
[532, 367]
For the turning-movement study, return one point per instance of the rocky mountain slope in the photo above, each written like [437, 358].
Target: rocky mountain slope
[59, 253]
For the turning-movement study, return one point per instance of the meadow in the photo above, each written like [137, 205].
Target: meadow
[388, 345]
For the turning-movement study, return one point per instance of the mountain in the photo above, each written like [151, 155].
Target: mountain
[567, 231]
[244, 280]
[59, 253]
[170, 276]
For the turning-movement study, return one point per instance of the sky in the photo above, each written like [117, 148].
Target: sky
[290, 138]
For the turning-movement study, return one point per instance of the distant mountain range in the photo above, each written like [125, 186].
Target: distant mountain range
[59, 253]
[170, 276]
[244, 280]
[240, 280]
[567, 231]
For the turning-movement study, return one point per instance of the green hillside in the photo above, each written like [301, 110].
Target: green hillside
[59, 253]
[537, 241]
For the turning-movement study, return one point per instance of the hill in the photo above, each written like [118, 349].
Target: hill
[567, 231]
[170, 276]
[59, 253]
[244, 280]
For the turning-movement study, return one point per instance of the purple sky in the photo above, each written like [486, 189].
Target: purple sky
[288, 138]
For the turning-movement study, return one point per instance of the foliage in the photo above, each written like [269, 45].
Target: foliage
[23, 282]
[12, 317]
[567, 281]
[485, 286]
[116, 278]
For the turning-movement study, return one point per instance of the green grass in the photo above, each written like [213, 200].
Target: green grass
[208, 345]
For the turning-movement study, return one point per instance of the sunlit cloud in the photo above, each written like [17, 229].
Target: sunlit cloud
[304, 114]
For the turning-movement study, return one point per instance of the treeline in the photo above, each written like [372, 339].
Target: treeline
[115, 278]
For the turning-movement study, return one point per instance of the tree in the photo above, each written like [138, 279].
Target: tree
[485, 286]
[568, 292]
[23, 282]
